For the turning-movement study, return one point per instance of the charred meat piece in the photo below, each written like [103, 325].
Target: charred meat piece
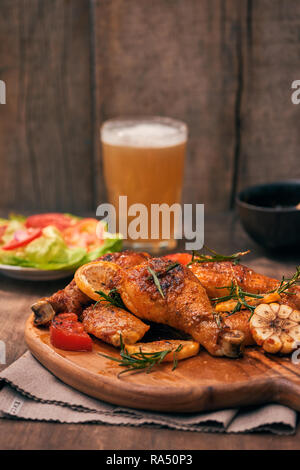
[125, 259]
[215, 275]
[71, 299]
[182, 304]
[240, 322]
[107, 322]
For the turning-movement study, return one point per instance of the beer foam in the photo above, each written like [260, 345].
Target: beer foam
[143, 133]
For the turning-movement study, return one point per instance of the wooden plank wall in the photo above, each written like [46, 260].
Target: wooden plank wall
[223, 66]
[46, 154]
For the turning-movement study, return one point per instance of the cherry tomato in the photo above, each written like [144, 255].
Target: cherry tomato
[60, 221]
[88, 233]
[22, 238]
[67, 333]
[182, 258]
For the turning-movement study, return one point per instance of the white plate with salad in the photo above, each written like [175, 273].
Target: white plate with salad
[50, 246]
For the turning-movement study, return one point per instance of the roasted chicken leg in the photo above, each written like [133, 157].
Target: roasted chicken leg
[215, 276]
[182, 304]
[71, 299]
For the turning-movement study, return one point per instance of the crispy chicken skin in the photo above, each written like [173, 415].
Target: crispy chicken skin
[214, 275]
[185, 305]
[125, 259]
[71, 299]
[239, 321]
[107, 322]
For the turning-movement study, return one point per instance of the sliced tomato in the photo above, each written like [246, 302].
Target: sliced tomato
[2, 230]
[60, 221]
[22, 238]
[182, 258]
[85, 233]
[67, 333]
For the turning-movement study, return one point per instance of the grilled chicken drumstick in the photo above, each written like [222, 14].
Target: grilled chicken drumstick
[71, 299]
[103, 320]
[182, 304]
[216, 276]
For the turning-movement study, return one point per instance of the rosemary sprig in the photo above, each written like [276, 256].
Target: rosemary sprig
[286, 284]
[175, 359]
[168, 269]
[156, 281]
[238, 294]
[113, 297]
[156, 275]
[141, 361]
[198, 257]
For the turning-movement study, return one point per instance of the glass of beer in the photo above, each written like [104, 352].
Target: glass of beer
[143, 161]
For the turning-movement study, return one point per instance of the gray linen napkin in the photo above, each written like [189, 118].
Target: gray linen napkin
[31, 392]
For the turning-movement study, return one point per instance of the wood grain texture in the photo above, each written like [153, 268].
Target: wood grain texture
[46, 139]
[202, 383]
[45, 436]
[16, 298]
[175, 58]
[269, 134]
[224, 67]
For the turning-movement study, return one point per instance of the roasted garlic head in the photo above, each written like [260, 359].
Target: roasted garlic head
[276, 327]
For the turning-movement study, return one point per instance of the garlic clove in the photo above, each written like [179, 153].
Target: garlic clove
[265, 311]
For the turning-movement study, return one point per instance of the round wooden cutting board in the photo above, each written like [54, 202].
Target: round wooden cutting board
[200, 383]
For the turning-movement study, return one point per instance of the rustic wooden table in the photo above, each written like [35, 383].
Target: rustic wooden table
[223, 233]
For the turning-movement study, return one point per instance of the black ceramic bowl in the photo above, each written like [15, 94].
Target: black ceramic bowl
[269, 214]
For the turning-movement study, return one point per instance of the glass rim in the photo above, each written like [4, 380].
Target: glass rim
[117, 123]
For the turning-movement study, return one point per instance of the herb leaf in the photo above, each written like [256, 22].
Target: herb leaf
[285, 284]
[238, 294]
[156, 281]
[141, 361]
[169, 268]
[113, 297]
[214, 256]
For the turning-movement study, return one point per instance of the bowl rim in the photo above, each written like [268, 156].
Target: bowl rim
[288, 182]
[25, 269]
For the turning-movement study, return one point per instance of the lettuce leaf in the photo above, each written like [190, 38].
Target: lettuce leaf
[12, 226]
[109, 245]
[46, 252]
[17, 217]
[50, 252]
